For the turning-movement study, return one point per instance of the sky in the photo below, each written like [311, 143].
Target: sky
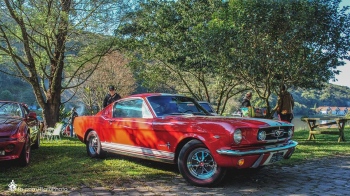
[343, 78]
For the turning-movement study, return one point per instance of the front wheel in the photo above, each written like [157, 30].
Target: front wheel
[197, 165]
[24, 157]
[36, 145]
[93, 146]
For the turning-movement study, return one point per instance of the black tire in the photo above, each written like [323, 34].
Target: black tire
[36, 145]
[197, 165]
[93, 146]
[24, 158]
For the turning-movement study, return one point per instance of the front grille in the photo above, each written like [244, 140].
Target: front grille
[274, 134]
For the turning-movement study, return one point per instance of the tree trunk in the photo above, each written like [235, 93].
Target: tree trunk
[51, 110]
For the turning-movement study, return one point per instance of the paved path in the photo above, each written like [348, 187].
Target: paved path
[327, 176]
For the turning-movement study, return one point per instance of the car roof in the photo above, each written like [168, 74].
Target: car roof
[145, 95]
[15, 102]
[12, 102]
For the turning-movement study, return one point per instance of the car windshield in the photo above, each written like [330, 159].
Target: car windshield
[10, 109]
[206, 106]
[175, 105]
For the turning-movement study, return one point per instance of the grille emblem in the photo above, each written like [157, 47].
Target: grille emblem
[279, 133]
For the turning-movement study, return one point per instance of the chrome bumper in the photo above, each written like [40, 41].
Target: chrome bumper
[289, 145]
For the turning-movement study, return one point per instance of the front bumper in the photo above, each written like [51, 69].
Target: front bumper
[15, 153]
[267, 149]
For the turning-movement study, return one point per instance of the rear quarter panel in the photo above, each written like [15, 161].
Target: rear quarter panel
[83, 124]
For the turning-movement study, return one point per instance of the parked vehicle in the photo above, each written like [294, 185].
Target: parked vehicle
[19, 132]
[178, 130]
[207, 106]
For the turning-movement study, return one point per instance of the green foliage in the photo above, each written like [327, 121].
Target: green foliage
[50, 43]
[176, 52]
[297, 43]
[262, 44]
[330, 95]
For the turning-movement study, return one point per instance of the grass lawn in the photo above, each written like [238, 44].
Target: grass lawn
[65, 164]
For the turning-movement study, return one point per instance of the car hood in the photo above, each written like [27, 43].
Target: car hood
[236, 122]
[253, 122]
[8, 126]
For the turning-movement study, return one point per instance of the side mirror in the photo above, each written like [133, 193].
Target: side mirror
[32, 115]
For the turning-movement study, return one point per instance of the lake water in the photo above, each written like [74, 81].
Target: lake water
[299, 124]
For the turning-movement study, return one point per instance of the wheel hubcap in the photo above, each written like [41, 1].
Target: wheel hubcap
[93, 144]
[201, 164]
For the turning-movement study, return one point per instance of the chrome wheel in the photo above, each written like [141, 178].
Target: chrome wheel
[198, 166]
[93, 144]
[24, 157]
[201, 164]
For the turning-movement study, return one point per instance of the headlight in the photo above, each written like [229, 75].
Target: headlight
[290, 132]
[261, 135]
[237, 136]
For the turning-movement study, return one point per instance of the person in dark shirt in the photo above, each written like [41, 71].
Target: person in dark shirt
[285, 105]
[73, 114]
[246, 107]
[246, 100]
[111, 96]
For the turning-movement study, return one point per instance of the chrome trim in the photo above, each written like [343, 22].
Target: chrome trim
[275, 140]
[139, 152]
[279, 147]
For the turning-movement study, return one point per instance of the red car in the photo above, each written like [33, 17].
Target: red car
[19, 132]
[176, 129]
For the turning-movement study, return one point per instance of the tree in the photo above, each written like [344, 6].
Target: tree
[49, 43]
[174, 53]
[292, 43]
[113, 71]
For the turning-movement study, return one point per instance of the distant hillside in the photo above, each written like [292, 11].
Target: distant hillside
[331, 95]
[15, 89]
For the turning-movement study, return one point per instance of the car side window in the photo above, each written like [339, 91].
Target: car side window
[134, 108]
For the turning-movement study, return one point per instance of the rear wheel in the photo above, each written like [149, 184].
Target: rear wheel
[197, 165]
[93, 145]
[24, 158]
[36, 145]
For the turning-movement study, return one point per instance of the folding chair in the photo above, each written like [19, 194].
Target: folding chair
[54, 133]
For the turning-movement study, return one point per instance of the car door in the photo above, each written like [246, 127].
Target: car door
[128, 119]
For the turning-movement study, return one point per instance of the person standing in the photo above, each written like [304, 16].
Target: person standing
[71, 120]
[111, 96]
[285, 105]
[246, 100]
[247, 109]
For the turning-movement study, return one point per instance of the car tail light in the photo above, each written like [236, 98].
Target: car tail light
[9, 148]
[237, 136]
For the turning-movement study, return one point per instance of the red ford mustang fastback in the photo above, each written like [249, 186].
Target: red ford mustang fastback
[176, 129]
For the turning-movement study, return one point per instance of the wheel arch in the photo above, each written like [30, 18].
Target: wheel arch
[87, 133]
[182, 144]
